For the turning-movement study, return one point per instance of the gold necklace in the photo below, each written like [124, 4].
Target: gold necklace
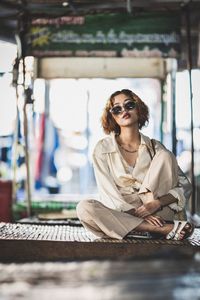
[129, 151]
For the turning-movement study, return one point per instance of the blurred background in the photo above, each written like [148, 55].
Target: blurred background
[51, 104]
[59, 62]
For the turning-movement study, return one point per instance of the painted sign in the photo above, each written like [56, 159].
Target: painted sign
[105, 35]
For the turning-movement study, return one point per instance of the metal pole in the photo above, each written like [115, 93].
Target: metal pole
[15, 135]
[173, 93]
[162, 83]
[14, 151]
[22, 34]
[26, 148]
[189, 48]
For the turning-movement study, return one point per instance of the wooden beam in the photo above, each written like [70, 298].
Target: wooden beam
[77, 67]
[32, 250]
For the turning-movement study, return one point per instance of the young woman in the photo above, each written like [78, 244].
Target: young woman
[141, 187]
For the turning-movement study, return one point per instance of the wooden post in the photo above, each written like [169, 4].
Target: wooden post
[189, 48]
[26, 149]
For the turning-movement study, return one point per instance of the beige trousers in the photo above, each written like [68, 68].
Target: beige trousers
[103, 221]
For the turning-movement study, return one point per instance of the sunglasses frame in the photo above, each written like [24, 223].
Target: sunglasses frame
[123, 107]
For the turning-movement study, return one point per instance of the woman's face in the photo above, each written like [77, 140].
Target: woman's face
[127, 115]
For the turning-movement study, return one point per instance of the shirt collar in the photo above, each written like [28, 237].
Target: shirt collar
[110, 144]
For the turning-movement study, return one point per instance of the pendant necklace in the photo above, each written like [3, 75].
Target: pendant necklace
[129, 151]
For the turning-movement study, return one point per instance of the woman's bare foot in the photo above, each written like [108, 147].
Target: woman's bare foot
[165, 229]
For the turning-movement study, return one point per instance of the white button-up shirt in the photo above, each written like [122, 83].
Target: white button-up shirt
[116, 179]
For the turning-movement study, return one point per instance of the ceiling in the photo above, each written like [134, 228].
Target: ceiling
[14, 11]
[11, 11]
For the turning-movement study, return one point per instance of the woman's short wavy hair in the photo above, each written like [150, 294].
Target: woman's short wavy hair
[108, 122]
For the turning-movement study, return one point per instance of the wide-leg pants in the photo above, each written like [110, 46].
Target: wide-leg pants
[104, 221]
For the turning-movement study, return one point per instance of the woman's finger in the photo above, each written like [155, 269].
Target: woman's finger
[149, 221]
[155, 221]
[152, 222]
[160, 219]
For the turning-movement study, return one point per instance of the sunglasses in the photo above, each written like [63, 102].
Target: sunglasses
[118, 109]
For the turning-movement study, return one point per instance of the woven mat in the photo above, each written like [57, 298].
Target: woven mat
[36, 242]
[17, 231]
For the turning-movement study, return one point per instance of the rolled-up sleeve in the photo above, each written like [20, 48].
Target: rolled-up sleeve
[108, 191]
[182, 192]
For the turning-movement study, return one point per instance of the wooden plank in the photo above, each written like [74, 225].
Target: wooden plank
[28, 242]
[32, 250]
[65, 67]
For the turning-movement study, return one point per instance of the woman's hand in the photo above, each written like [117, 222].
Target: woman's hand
[148, 209]
[155, 220]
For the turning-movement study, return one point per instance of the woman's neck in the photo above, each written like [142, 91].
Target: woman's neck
[129, 136]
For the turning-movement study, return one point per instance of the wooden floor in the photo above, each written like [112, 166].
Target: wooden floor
[152, 279]
[35, 242]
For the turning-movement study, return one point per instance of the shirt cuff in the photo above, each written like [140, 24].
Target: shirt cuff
[180, 204]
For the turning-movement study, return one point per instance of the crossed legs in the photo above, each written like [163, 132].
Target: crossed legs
[105, 222]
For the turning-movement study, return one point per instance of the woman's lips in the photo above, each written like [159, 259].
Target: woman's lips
[126, 116]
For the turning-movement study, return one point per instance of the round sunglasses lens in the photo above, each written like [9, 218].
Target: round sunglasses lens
[116, 110]
[130, 105]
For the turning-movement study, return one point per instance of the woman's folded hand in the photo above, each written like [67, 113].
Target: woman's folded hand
[155, 220]
[148, 208]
